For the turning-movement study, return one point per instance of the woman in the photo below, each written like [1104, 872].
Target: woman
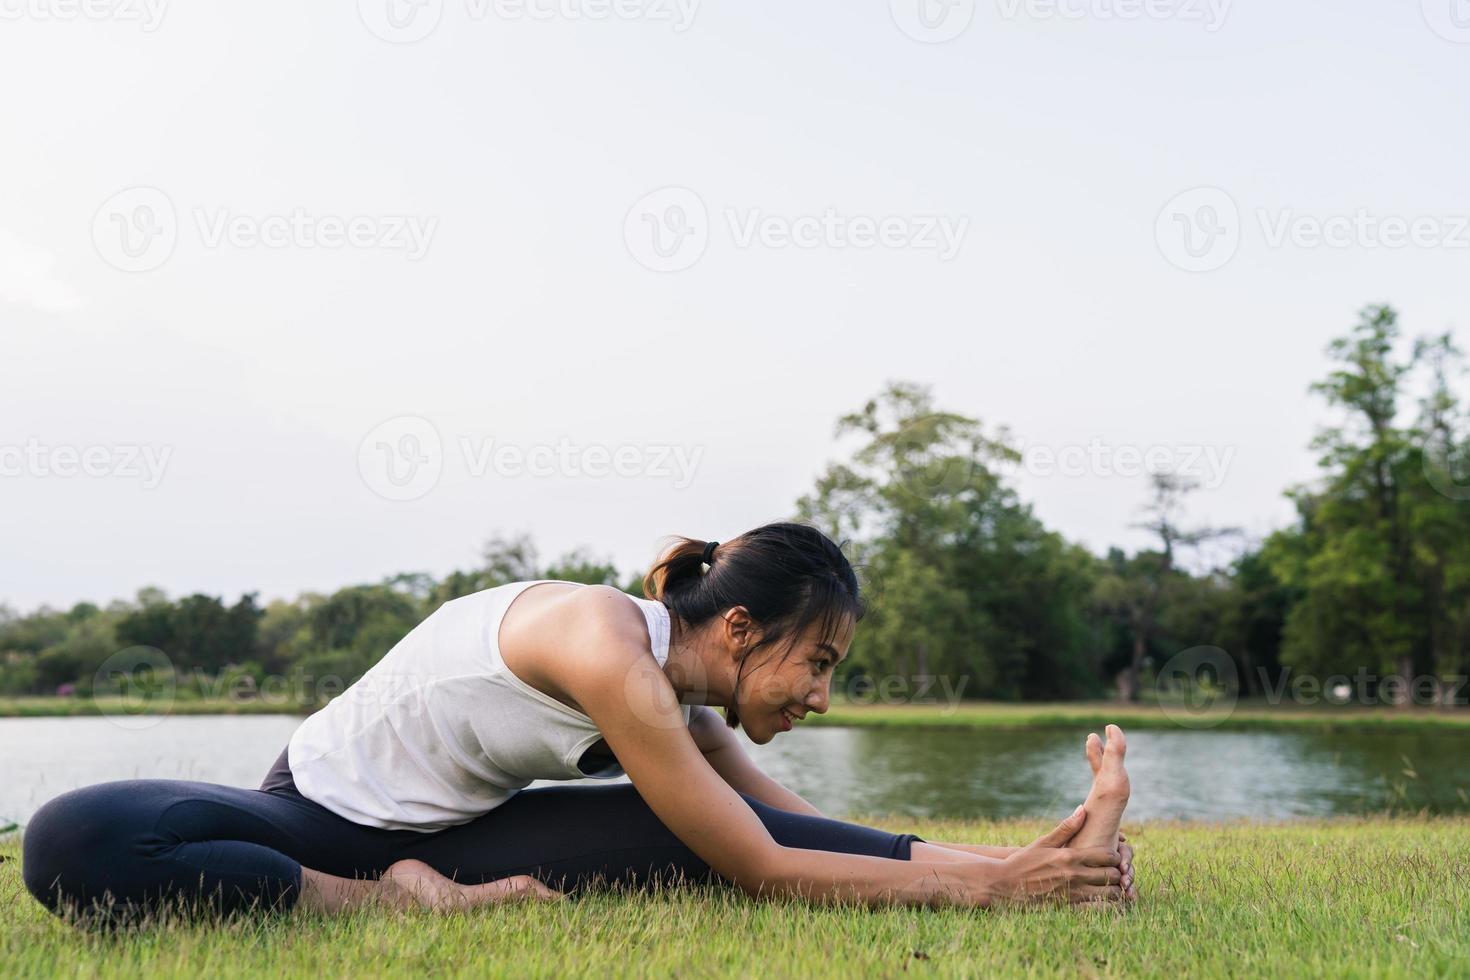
[409, 788]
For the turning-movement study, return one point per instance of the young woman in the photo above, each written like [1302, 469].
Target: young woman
[409, 788]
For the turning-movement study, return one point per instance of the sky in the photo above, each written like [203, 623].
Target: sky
[295, 296]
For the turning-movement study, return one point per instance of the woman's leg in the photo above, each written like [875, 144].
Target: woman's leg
[572, 836]
[132, 848]
[128, 848]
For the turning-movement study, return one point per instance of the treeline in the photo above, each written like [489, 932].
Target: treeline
[965, 583]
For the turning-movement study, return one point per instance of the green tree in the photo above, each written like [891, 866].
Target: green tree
[1135, 591]
[1378, 554]
[965, 583]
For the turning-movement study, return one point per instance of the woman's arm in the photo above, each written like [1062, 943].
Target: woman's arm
[598, 655]
[723, 752]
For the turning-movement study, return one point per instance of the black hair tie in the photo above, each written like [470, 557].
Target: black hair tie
[708, 558]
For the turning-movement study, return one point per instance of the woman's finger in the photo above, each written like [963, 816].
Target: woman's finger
[1065, 831]
[1099, 876]
[1098, 857]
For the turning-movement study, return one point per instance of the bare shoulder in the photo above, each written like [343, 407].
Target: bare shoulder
[555, 632]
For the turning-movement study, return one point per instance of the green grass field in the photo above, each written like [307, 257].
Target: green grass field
[1247, 715]
[1371, 897]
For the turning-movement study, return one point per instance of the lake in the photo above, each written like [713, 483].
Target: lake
[1202, 775]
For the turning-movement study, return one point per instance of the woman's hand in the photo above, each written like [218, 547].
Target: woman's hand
[1125, 865]
[1125, 855]
[1046, 870]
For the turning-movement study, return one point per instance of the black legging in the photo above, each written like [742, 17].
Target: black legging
[127, 848]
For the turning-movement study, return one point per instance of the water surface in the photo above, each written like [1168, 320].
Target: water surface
[1209, 775]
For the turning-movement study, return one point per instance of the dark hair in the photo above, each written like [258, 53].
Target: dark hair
[785, 574]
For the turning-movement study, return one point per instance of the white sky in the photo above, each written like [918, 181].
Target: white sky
[520, 145]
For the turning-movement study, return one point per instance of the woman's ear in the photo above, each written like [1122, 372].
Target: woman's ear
[740, 630]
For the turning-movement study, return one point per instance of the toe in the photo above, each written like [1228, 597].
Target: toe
[1094, 752]
[1117, 744]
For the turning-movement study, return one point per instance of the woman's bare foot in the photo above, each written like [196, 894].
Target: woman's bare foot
[413, 884]
[1110, 788]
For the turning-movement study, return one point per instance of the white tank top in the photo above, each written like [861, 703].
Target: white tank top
[440, 731]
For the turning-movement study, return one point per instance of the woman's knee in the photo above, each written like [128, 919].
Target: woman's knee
[82, 837]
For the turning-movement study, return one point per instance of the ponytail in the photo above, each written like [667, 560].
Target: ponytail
[786, 574]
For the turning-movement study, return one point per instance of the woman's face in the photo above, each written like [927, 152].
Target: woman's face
[780, 685]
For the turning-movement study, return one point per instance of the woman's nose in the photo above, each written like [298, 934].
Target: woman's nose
[816, 700]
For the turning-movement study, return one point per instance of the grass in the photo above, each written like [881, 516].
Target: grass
[1354, 897]
[1245, 716]
[57, 707]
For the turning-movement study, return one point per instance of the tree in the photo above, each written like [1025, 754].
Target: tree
[197, 632]
[965, 583]
[502, 560]
[1136, 589]
[1378, 553]
[578, 565]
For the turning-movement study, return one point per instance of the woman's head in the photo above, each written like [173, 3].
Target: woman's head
[777, 605]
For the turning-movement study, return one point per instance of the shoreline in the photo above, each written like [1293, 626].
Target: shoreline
[1000, 716]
